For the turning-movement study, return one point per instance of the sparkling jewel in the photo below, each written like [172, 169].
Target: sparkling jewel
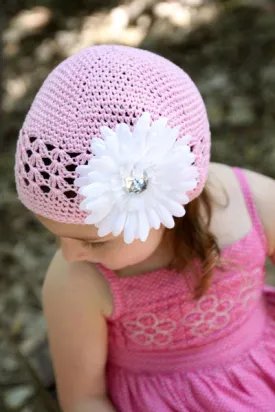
[136, 182]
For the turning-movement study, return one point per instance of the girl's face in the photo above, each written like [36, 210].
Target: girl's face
[81, 242]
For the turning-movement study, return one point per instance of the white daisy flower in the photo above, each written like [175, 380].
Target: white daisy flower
[137, 180]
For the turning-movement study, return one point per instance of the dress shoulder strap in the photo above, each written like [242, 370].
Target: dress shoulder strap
[250, 204]
[114, 285]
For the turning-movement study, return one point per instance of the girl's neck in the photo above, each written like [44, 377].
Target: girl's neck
[160, 259]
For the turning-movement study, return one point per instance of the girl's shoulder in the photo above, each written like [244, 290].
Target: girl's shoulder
[83, 278]
[261, 187]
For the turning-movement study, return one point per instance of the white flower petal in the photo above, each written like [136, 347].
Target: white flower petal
[174, 158]
[165, 185]
[123, 133]
[107, 132]
[180, 156]
[82, 181]
[126, 143]
[166, 141]
[155, 137]
[101, 212]
[94, 189]
[83, 170]
[106, 225]
[175, 208]
[102, 202]
[89, 220]
[185, 140]
[96, 177]
[153, 219]
[143, 226]
[165, 216]
[185, 151]
[172, 137]
[181, 144]
[119, 223]
[140, 137]
[83, 204]
[157, 128]
[98, 147]
[105, 165]
[190, 172]
[142, 126]
[110, 140]
[104, 229]
[96, 217]
[181, 197]
[130, 228]
[187, 185]
[135, 203]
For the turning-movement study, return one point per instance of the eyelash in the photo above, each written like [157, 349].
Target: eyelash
[94, 245]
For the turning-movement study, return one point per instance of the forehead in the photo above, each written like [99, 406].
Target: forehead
[69, 230]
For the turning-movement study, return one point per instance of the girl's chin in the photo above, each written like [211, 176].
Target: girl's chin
[109, 267]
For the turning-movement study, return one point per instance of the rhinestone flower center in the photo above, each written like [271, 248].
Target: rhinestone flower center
[136, 182]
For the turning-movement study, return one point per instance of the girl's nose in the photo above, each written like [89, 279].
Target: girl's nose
[73, 250]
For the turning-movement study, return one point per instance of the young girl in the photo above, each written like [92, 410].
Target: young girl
[156, 299]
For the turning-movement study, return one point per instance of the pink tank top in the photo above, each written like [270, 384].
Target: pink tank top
[156, 311]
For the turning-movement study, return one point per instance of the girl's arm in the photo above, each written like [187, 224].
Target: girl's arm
[263, 189]
[95, 405]
[74, 296]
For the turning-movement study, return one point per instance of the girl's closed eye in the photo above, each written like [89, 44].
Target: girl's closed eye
[94, 245]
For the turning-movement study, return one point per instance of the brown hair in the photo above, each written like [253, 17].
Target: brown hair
[194, 242]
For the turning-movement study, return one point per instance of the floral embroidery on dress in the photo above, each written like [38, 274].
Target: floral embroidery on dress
[209, 316]
[250, 292]
[147, 329]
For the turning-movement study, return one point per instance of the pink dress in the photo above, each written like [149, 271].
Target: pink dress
[169, 352]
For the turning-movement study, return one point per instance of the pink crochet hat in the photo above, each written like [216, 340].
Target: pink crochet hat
[101, 85]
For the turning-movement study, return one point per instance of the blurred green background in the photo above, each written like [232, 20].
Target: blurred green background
[228, 48]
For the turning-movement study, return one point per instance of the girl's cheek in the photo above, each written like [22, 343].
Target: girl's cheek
[123, 258]
[114, 259]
